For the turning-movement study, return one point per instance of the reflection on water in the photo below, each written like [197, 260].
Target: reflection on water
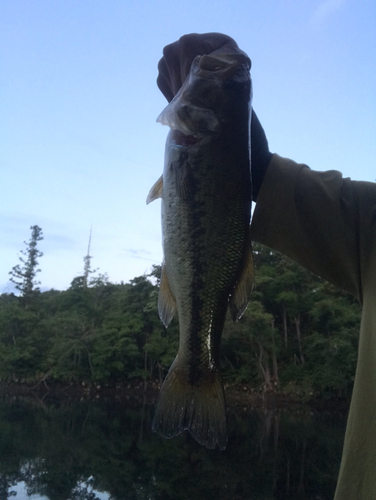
[20, 491]
[98, 451]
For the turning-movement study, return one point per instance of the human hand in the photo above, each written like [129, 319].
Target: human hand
[178, 57]
[260, 155]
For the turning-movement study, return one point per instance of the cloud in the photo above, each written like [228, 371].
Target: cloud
[8, 287]
[139, 254]
[59, 242]
[326, 9]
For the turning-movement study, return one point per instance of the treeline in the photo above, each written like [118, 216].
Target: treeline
[298, 335]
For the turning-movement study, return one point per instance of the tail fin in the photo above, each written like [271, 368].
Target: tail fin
[200, 409]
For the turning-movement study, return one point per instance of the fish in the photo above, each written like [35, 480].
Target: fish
[206, 192]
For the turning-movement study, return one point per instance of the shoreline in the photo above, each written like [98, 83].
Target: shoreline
[241, 397]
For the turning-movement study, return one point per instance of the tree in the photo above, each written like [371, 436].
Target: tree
[23, 276]
[87, 264]
[84, 281]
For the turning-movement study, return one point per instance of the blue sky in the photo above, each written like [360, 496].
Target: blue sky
[80, 146]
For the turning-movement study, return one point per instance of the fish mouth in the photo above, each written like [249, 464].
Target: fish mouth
[183, 140]
[190, 120]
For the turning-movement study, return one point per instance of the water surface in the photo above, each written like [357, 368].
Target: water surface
[102, 451]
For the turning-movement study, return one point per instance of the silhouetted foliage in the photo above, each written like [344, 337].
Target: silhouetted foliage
[299, 334]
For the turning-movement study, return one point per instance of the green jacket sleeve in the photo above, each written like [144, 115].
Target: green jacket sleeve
[311, 217]
[328, 224]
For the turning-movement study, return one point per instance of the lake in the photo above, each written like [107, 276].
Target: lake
[106, 450]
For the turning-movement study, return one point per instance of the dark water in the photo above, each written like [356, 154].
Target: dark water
[91, 451]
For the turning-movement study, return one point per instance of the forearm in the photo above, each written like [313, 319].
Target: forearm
[312, 218]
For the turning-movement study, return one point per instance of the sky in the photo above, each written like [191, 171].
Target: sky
[79, 143]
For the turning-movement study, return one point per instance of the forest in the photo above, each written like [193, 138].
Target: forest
[298, 336]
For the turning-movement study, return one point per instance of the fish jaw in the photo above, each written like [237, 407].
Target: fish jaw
[189, 119]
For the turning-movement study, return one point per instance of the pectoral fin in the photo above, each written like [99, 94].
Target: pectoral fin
[156, 191]
[240, 297]
[166, 300]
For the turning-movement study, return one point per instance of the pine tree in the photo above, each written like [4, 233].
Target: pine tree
[23, 275]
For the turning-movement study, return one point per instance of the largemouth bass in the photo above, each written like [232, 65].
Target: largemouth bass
[206, 206]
